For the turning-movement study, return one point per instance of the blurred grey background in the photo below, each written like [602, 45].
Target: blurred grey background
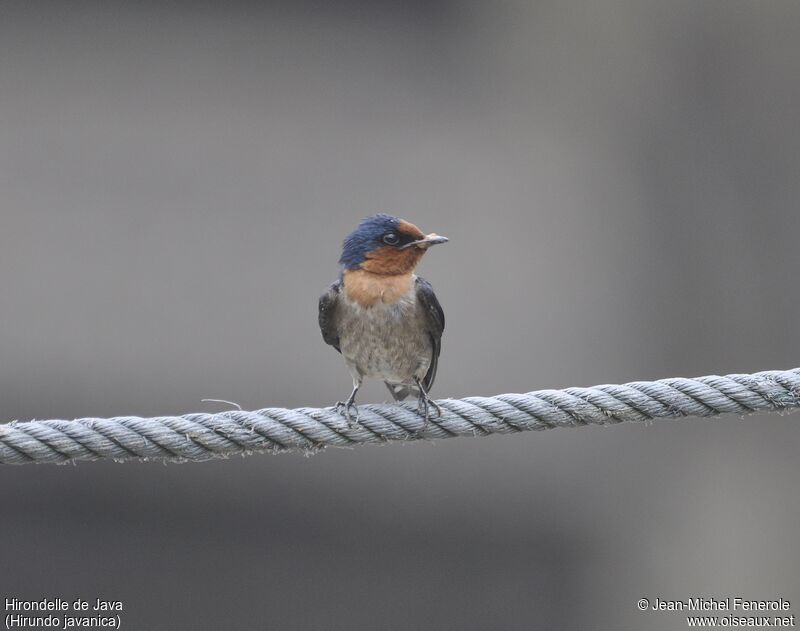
[620, 183]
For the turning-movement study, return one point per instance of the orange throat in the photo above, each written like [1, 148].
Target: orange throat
[368, 288]
[392, 261]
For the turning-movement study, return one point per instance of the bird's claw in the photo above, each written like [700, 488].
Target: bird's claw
[424, 404]
[343, 408]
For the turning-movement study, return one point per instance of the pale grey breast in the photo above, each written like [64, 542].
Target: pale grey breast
[388, 341]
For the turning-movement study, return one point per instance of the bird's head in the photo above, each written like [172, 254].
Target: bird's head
[386, 245]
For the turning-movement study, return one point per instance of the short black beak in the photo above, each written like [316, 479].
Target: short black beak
[428, 241]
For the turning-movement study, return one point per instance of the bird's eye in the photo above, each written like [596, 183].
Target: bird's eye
[391, 239]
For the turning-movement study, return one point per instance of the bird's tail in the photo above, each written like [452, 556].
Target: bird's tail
[401, 391]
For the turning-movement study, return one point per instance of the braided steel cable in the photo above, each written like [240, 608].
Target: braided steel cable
[194, 437]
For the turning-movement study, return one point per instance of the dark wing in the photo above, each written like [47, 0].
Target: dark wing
[434, 322]
[327, 314]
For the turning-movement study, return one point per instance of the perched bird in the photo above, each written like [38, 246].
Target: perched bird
[384, 319]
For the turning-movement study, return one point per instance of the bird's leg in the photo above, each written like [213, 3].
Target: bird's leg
[343, 407]
[425, 403]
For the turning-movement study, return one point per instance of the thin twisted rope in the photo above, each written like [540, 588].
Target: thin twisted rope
[194, 437]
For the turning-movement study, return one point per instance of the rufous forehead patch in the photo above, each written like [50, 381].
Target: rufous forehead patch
[406, 227]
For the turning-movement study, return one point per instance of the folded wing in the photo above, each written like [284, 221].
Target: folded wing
[434, 323]
[328, 303]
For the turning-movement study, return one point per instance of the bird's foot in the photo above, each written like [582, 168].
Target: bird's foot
[424, 405]
[344, 407]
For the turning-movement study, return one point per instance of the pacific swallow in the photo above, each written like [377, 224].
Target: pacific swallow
[384, 319]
